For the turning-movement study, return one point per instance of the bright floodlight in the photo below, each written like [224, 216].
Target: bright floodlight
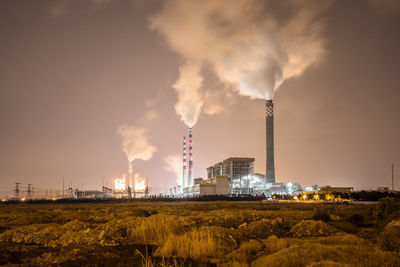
[119, 184]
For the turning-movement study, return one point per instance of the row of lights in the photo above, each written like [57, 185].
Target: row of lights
[317, 197]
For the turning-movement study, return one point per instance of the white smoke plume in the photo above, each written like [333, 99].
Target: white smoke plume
[247, 46]
[135, 139]
[135, 142]
[188, 89]
[173, 163]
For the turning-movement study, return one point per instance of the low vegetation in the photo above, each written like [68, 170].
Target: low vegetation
[255, 233]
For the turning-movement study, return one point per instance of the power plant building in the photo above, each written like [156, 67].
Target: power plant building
[234, 168]
[217, 169]
[237, 170]
[218, 185]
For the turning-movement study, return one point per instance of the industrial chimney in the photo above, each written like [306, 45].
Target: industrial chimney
[270, 166]
[130, 178]
[184, 164]
[190, 176]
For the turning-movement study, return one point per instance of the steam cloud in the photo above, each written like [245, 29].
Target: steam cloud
[135, 142]
[173, 163]
[243, 42]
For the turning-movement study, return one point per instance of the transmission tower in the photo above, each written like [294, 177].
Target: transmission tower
[29, 193]
[17, 191]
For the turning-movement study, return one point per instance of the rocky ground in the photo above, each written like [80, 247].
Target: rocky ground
[199, 234]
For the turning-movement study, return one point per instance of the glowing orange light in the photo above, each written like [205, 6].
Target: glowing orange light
[119, 184]
[140, 185]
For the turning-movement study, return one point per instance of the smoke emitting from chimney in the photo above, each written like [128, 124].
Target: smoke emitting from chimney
[135, 142]
[253, 50]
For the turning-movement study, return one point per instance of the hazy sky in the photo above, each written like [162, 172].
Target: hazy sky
[73, 71]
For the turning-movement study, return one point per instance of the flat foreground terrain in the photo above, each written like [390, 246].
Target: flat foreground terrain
[199, 234]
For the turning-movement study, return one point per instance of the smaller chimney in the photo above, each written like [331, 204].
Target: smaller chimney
[130, 178]
[190, 177]
[184, 163]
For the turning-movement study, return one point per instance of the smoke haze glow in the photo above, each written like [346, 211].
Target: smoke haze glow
[242, 42]
[135, 143]
[173, 164]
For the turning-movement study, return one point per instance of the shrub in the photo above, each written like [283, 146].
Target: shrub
[345, 227]
[273, 244]
[356, 219]
[321, 214]
[75, 225]
[368, 233]
[247, 250]
[389, 238]
[263, 228]
[311, 228]
[386, 206]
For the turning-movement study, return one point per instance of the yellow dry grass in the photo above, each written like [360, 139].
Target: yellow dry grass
[156, 229]
[198, 243]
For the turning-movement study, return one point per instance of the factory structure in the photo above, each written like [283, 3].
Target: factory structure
[235, 175]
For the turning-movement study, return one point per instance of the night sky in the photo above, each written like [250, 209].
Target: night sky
[78, 75]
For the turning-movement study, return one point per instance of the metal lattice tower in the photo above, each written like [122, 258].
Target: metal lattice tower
[29, 193]
[17, 191]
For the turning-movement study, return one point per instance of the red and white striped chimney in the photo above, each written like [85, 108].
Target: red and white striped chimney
[190, 177]
[184, 164]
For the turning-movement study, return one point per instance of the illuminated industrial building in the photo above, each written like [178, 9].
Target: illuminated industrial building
[242, 179]
[234, 168]
[218, 185]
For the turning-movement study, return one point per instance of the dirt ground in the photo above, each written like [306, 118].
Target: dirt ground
[223, 233]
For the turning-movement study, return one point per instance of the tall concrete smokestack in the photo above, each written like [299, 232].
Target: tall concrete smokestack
[190, 176]
[184, 164]
[270, 166]
[130, 178]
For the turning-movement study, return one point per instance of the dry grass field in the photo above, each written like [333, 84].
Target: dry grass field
[200, 234]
